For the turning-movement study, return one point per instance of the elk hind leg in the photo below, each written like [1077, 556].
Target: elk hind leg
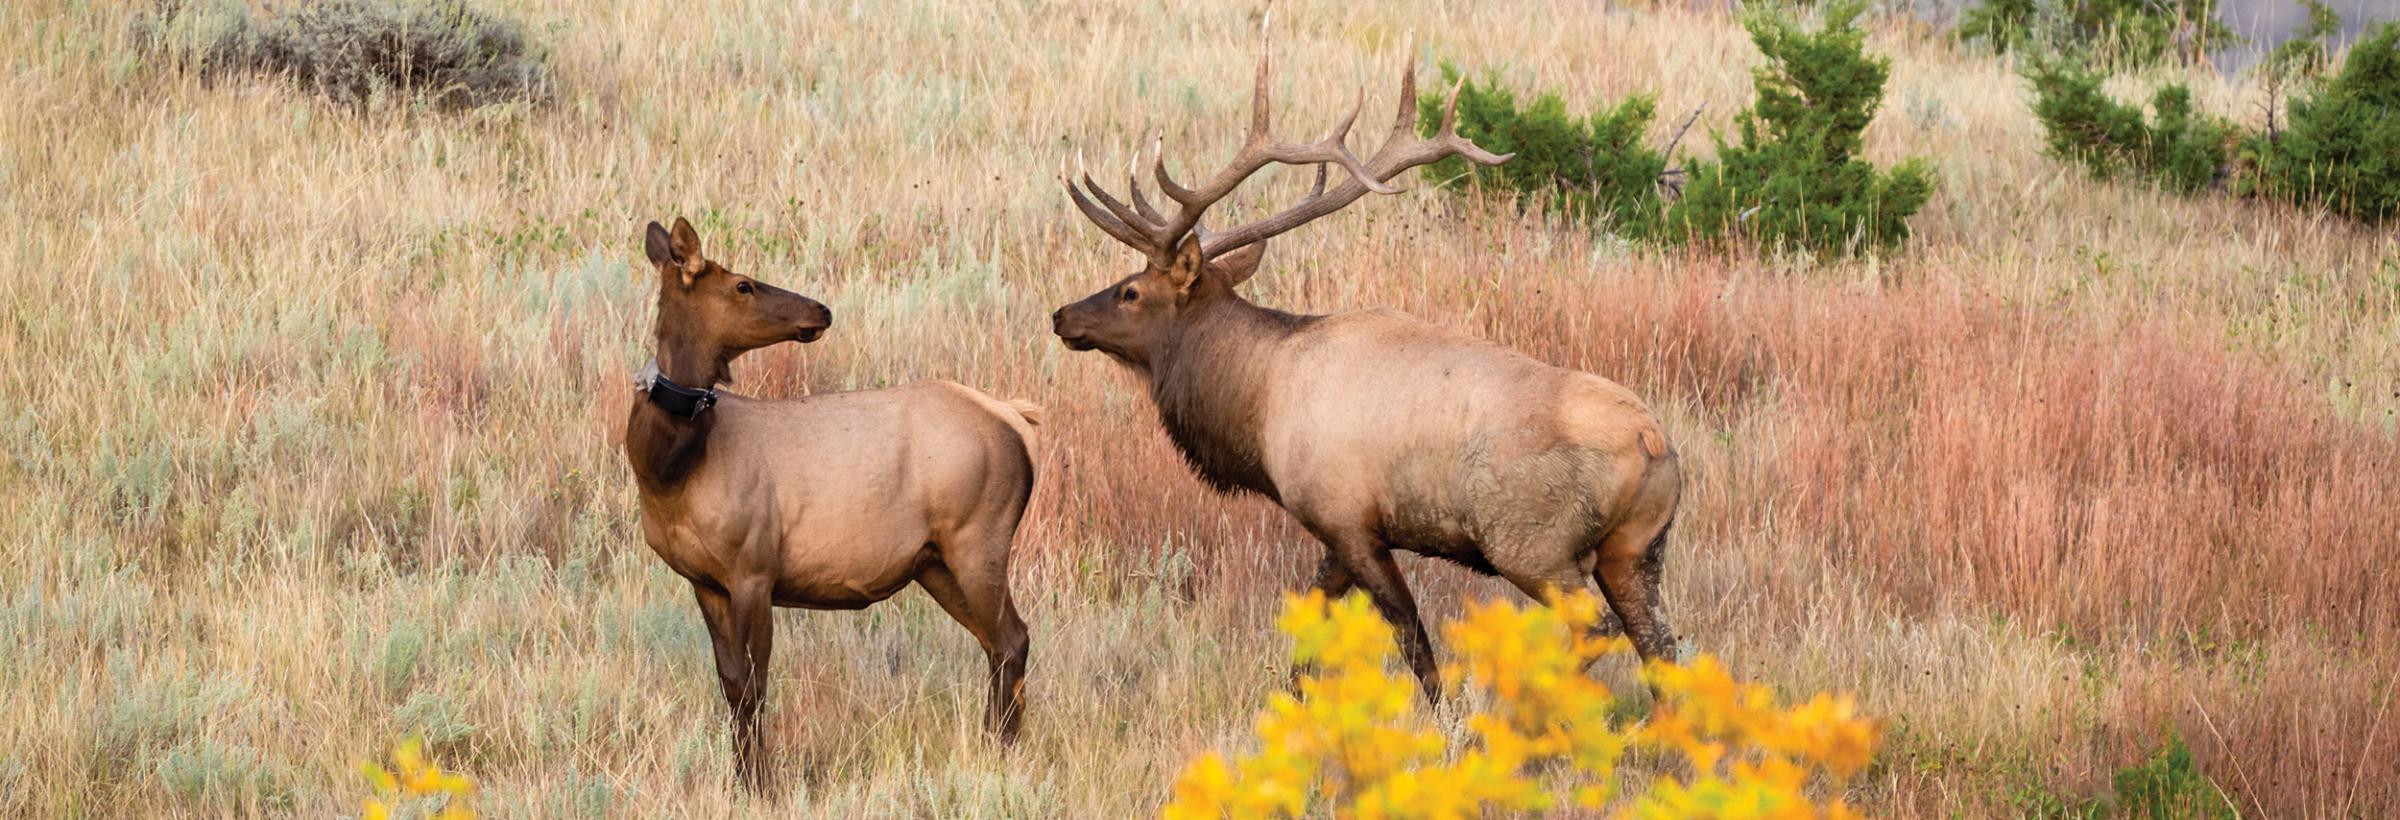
[1631, 560]
[1551, 567]
[979, 600]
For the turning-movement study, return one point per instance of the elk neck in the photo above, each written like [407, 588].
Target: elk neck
[1210, 381]
[688, 360]
[663, 447]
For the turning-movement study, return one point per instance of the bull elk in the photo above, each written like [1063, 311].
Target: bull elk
[832, 501]
[1374, 430]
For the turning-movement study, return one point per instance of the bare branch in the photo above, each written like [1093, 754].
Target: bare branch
[1679, 131]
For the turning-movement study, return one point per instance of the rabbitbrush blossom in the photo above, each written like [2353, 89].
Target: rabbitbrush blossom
[1353, 742]
[411, 779]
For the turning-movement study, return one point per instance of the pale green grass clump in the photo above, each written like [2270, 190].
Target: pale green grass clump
[306, 418]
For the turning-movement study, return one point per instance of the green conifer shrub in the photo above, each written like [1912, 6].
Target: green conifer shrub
[2177, 148]
[1593, 168]
[2340, 148]
[1794, 178]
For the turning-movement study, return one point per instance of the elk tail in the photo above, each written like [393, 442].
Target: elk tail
[1031, 416]
[1030, 412]
[1021, 416]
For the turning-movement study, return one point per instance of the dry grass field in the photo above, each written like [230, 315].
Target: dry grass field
[306, 417]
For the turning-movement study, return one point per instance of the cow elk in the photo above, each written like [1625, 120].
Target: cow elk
[832, 501]
[1374, 430]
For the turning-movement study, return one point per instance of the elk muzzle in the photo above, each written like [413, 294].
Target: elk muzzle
[1068, 323]
[808, 318]
[810, 333]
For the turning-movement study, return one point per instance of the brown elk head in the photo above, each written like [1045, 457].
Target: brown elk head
[1189, 266]
[1128, 319]
[710, 314]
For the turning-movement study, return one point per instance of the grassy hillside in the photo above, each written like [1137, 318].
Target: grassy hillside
[307, 417]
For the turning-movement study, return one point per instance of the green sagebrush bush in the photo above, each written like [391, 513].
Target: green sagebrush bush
[2338, 149]
[354, 52]
[2127, 32]
[2177, 148]
[1794, 178]
[1592, 168]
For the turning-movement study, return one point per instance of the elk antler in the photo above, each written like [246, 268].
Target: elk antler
[1156, 235]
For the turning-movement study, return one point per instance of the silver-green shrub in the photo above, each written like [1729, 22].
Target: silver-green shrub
[356, 52]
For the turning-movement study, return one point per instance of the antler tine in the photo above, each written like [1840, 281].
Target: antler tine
[1141, 202]
[1110, 220]
[1259, 87]
[1448, 136]
[1260, 150]
[1259, 120]
[1133, 184]
[1404, 121]
[1116, 207]
[1401, 151]
[1166, 182]
[1259, 140]
[1256, 138]
[1109, 223]
[1339, 134]
[1336, 146]
[1143, 226]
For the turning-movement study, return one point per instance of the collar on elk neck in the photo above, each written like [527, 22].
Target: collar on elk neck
[674, 398]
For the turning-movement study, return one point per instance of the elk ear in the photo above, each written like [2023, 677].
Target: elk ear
[1185, 270]
[686, 243]
[1239, 264]
[658, 246]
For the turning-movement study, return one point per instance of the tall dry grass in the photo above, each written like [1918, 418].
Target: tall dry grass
[307, 418]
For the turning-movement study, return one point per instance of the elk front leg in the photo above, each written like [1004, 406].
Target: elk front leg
[1335, 582]
[1332, 578]
[741, 626]
[1368, 563]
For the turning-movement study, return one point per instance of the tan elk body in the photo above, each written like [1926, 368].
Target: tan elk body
[1374, 430]
[832, 501]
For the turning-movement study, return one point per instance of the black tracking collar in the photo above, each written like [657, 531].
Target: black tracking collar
[678, 399]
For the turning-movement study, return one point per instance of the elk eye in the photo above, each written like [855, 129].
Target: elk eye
[1128, 294]
[742, 287]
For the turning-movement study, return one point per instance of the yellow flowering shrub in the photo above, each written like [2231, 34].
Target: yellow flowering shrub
[1354, 742]
[411, 781]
